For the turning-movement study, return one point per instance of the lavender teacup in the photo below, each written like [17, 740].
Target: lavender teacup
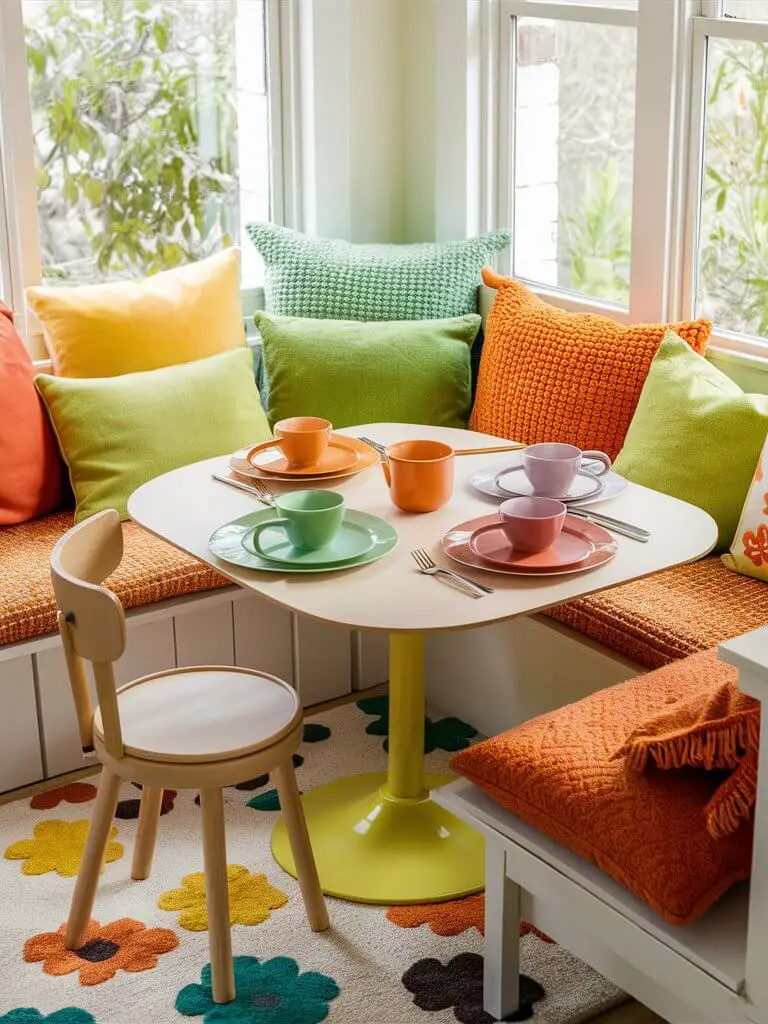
[552, 468]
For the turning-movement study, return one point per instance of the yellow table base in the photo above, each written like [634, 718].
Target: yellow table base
[379, 838]
[372, 848]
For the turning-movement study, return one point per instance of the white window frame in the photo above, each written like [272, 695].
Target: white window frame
[705, 27]
[19, 241]
[669, 140]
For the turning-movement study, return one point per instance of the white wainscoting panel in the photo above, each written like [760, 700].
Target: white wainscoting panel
[497, 676]
[205, 636]
[150, 648]
[371, 664]
[20, 756]
[263, 637]
[322, 655]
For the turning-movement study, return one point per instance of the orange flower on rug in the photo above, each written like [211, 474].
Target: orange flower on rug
[57, 846]
[73, 793]
[453, 917]
[251, 899]
[450, 918]
[123, 945]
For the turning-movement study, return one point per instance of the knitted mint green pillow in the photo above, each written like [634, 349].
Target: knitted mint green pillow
[326, 278]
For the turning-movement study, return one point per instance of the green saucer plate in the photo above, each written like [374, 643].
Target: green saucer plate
[228, 544]
[350, 543]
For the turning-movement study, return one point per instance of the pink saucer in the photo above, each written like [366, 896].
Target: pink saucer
[580, 546]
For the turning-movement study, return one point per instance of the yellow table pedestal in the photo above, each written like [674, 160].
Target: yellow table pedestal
[379, 838]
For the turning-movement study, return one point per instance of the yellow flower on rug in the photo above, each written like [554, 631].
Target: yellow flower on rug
[251, 899]
[57, 846]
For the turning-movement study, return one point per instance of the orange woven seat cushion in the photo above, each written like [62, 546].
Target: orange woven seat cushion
[646, 830]
[672, 614]
[550, 375]
[151, 571]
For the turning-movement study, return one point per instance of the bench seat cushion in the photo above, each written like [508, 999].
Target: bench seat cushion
[151, 571]
[672, 614]
[646, 830]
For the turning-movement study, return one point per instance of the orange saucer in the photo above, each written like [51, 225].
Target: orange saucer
[337, 457]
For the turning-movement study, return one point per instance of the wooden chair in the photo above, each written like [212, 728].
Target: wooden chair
[190, 728]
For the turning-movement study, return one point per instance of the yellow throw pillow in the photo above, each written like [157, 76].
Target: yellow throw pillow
[177, 316]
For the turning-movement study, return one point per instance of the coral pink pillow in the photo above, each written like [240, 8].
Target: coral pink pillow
[31, 480]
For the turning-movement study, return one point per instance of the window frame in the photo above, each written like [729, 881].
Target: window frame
[20, 261]
[509, 11]
[669, 123]
[704, 27]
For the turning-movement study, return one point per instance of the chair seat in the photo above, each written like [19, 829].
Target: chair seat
[203, 714]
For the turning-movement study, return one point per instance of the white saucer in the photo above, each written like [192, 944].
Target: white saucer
[484, 480]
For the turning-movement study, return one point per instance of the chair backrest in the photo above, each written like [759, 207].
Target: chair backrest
[91, 619]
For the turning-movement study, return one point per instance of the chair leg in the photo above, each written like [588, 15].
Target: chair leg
[93, 858]
[296, 827]
[146, 832]
[217, 895]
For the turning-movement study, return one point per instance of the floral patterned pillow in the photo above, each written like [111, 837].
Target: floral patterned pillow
[749, 550]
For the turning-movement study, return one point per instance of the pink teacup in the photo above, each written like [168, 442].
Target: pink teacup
[529, 524]
[552, 468]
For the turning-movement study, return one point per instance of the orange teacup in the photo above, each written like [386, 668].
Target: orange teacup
[303, 439]
[419, 474]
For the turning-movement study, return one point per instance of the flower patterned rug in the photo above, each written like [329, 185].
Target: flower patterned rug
[145, 959]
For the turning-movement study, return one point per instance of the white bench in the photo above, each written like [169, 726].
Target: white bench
[713, 971]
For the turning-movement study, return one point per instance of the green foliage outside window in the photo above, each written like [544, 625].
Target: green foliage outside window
[134, 123]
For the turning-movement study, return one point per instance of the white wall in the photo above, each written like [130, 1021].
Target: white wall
[376, 100]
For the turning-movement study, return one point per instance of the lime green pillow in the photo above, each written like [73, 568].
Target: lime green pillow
[695, 435]
[404, 371]
[115, 433]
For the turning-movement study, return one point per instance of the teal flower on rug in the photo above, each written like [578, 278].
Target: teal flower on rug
[314, 732]
[272, 992]
[266, 801]
[26, 1015]
[448, 734]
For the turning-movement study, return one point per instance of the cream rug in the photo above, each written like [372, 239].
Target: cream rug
[145, 960]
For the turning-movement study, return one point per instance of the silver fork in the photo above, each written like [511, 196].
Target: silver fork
[263, 491]
[376, 447]
[428, 566]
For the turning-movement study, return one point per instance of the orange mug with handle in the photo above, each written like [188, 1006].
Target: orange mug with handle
[419, 474]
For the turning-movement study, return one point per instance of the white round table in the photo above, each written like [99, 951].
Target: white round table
[379, 838]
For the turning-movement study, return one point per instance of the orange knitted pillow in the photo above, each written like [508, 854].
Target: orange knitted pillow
[550, 375]
[646, 830]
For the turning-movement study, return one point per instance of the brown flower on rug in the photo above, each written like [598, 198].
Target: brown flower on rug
[73, 793]
[453, 917]
[127, 810]
[459, 985]
[125, 945]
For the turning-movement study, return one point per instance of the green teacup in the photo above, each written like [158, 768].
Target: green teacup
[311, 519]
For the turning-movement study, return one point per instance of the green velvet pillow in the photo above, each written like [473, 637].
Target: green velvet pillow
[695, 435]
[327, 278]
[115, 433]
[414, 371]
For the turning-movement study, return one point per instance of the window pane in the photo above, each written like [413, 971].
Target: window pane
[753, 10]
[135, 107]
[733, 236]
[574, 140]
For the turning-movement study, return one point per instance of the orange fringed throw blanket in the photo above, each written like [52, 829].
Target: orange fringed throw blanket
[717, 728]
